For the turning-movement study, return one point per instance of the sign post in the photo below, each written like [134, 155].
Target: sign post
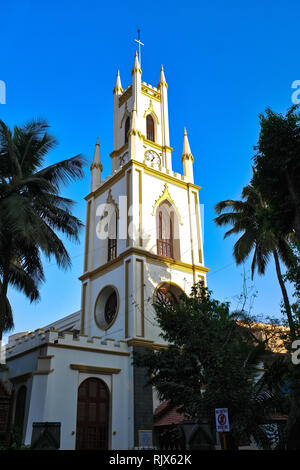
[222, 423]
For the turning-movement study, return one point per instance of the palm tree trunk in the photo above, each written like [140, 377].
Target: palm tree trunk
[3, 304]
[293, 424]
[285, 297]
[296, 203]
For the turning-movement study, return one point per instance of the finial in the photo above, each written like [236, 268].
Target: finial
[186, 151]
[136, 67]
[187, 159]
[162, 79]
[96, 160]
[118, 87]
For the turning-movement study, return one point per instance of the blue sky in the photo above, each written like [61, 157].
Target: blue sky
[224, 62]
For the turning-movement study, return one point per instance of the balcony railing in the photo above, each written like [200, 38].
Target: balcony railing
[165, 248]
[112, 249]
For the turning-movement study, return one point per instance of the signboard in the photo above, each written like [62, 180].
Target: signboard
[222, 422]
[145, 438]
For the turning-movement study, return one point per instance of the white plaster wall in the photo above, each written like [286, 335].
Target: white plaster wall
[115, 277]
[54, 396]
[97, 246]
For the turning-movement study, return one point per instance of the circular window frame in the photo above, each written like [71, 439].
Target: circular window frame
[110, 288]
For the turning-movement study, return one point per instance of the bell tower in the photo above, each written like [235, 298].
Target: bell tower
[141, 110]
[144, 239]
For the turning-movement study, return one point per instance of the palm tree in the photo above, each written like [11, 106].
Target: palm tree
[31, 210]
[251, 217]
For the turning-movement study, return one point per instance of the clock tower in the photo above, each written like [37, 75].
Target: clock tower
[143, 227]
[144, 241]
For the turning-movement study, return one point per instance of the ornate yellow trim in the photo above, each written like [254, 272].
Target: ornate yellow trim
[150, 110]
[148, 170]
[83, 348]
[118, 89]
[96, 165]
[126, 95]
[136, 69]
[94, 369]
[151, 257]
[162, 148]
[162, 84]
[187, 156]
[145, 343]
[150, 93]
[166, 196]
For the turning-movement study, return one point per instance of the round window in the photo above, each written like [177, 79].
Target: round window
[106, 308]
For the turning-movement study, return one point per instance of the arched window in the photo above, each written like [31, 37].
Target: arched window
[92, 415]
[150, 128]
[167, 229]
[20, 411]
[165, 235]
[127, 129]
[167, 294]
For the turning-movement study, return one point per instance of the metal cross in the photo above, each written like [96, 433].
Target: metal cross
[140, 44]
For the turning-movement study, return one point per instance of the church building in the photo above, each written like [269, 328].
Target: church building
[143, 244]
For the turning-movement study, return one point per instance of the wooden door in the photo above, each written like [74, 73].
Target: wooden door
[92, 415]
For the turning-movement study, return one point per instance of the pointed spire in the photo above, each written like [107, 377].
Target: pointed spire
[118, 87]
[96, 167]
[96, 160]
[136, 66]
[162, 79]
[187, 158]
[186, 151]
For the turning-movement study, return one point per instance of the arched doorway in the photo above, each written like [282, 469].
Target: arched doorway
[92, 415]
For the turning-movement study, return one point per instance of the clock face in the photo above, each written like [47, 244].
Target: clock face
[124, 158]
[152, 157]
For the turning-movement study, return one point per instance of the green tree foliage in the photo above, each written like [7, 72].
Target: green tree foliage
[277, 166]
[32, 210]
[211, 362]
[252, 218]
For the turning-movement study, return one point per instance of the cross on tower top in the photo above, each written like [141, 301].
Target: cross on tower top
[140, 44]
